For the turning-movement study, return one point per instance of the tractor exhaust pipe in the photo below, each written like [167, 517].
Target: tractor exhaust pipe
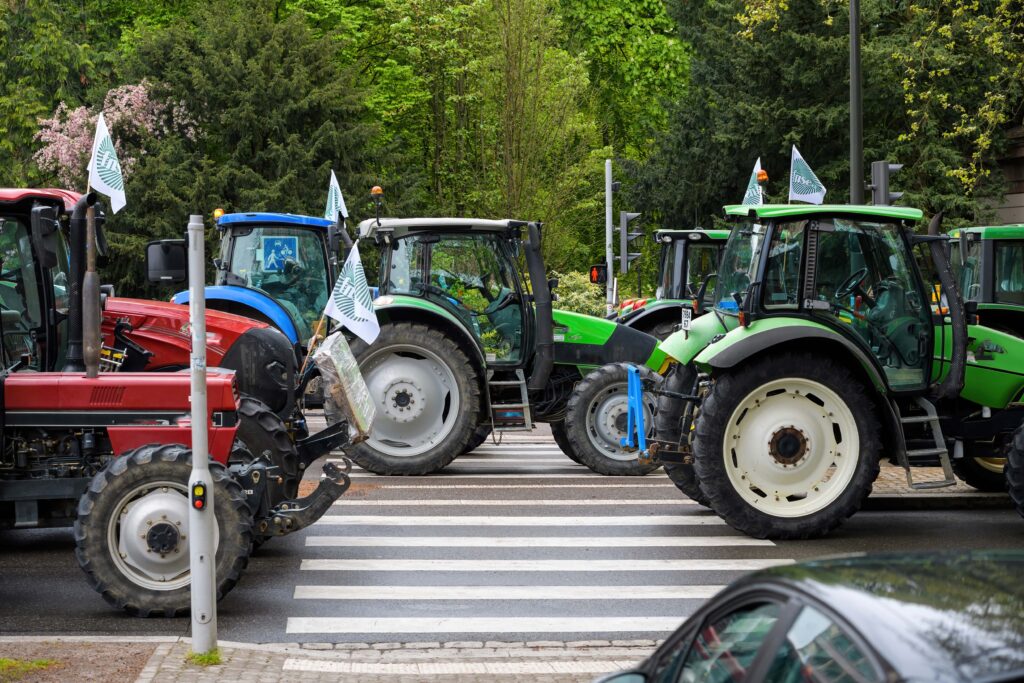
[544, 359]
[75, 361]
[954, 381]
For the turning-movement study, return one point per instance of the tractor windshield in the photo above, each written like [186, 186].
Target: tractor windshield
[685, 264]
[288, 263]
[738, 267]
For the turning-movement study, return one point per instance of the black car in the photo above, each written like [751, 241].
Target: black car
[936, 617]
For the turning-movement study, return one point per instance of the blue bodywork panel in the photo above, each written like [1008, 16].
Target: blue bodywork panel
[230, 219]
[252, 298]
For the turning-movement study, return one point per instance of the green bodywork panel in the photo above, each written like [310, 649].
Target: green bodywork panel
[796, 210]
[705, 359]
[388, 302]
[994, 375]
[577, 328]
[993, 232]
[683, 346]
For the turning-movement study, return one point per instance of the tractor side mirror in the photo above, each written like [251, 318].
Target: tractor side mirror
[599, 273]
[166, 261]
[45, 233]
[552, 283]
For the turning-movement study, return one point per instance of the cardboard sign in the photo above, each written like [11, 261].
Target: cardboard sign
[344, 385]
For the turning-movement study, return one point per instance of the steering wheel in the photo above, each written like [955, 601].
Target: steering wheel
[506, 300]
[851, 284]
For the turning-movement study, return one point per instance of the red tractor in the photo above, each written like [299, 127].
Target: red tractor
[110, 454]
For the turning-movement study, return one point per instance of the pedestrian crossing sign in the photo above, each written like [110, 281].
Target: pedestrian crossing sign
[277, 250]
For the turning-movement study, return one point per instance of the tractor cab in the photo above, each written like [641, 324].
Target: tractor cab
[989, 266]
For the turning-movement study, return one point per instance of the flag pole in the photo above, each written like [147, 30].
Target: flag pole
[314, 344]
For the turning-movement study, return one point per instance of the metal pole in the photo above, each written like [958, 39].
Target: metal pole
[91, 299]
[202, 553]
[609, 250]
[856, 110]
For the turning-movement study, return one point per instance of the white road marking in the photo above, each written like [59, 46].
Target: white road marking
[428, 484]
[507, 475]
[484, 624]
[505, 592]
[576, 565]
[485, 502]
[476, 462]
[533, 541]
[504, 520]
[592, 666]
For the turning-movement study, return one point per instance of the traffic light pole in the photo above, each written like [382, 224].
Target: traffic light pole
[856, 110]
[201, 520]
[609, 235]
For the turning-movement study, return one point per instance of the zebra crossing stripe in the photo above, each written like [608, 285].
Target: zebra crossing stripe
[534, 541]
[575, 565]
[484, 502]
[534, 668]
[582, 475]
[559, 625]
[502, 520]
[429, 484]
[505, 592]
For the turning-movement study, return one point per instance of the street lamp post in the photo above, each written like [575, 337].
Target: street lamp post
[856, 110]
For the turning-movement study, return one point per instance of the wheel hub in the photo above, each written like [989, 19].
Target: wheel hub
[608, 420]
[404, 400]
[163, 538]
[788, 446]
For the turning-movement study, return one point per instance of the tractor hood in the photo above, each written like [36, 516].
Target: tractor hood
[683, 345]
[589, 341]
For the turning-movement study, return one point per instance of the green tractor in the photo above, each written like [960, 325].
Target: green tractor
[688, 258]
[823, 352]
[470, 346]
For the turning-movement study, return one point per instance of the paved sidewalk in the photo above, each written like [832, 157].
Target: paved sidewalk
[426, 662]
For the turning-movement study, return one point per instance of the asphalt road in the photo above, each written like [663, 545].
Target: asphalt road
[513, 543]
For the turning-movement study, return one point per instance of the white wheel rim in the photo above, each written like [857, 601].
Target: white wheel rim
[416, 396]
[146, 509]
[606, 421]
[791, 447]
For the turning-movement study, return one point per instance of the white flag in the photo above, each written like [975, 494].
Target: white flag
[804, 186]
[335, 201]
[350, 303]
[104, 169]
[753, 196]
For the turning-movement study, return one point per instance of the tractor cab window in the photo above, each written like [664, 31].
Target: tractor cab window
[1009, 272]
[966, 265]
[288, 264]
[20, 307]
[475, 276]
[701, 261]
[864, 281]
[672, 253]
[782, 272]
[738, 267]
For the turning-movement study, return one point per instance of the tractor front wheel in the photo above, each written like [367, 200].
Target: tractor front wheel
[132, 534]
[681, 379]
[562, 440]
[479, 437]
[427, 396]
[786, 447]
[983, 473]
[596, 421]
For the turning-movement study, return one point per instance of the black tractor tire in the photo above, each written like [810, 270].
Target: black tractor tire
[265, 435]
[1014, 470]
[562, 440]
[105, 501]
[661, 330]
[581, 430]
[726, 394]
[668, 427]
[477, 439]
[462, 422]
[973, 473]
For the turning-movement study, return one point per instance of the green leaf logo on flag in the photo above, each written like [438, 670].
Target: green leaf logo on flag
[804, 186]
[104, 168]
[335, 200]
[347, 293]
[753, 195]
[107, 166]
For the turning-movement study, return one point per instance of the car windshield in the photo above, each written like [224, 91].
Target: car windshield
[738, 267]
[288, 263]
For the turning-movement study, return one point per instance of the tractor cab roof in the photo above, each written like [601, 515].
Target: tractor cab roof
[17, 195]
[399, 227]
[992, 232]
[768, 211]
[697, 234]
[230, 219]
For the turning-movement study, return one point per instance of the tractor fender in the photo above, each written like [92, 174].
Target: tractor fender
[683, 346]
[393, 308]
[587, 341]
[240, 300]
[655, 312]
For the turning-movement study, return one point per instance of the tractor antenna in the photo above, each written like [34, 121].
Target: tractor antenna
[377, 195]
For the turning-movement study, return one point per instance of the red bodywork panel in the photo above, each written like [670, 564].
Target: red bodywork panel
[134, 408]
[162, 328]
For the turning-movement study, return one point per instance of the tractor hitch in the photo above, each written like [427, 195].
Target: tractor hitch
[291, 515]
[314, 447]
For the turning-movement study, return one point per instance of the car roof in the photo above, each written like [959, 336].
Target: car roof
[265, 217]
[993, 232]
[939, 616]
[676, 234]
[796, 210]
[401, 226]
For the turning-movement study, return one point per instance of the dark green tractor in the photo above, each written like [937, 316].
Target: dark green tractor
[823, 354]
[469, 345]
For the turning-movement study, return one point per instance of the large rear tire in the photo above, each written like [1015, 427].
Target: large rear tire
[803, 459]
[132, 533]
[477, 439]
[1015, 470]
[595, 420]
[668, 427]
[265, 435]
[427, 396]
[562, 440]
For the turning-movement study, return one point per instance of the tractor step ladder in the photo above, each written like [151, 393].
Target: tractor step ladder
[512, 411]
[907, 456]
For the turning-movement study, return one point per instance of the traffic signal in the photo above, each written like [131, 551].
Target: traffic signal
[625, 237]
[598, 273]
[880, 172]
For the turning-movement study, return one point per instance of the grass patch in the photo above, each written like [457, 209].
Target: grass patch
[205, 659]
[15, 669]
